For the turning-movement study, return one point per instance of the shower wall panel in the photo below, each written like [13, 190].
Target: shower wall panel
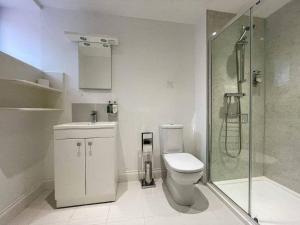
[282, 78]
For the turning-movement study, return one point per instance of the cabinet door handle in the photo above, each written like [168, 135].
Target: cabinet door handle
[78, 147]
[90, 144]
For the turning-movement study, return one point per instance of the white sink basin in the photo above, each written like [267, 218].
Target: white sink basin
[85, 125]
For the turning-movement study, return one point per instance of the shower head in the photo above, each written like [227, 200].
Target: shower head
[247, 28]
[243, 36]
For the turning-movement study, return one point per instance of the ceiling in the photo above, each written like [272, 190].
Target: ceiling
[21, 4]
[181, 11]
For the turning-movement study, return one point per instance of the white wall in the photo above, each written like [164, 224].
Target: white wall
[201, 87]
[21, 155]
[153, 81]
[153, 75]
[23, 145]
[20, 34]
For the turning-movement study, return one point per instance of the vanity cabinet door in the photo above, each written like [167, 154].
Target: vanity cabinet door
[100, 169]
[69, 168]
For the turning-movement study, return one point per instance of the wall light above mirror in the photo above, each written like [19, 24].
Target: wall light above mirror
[94, 60]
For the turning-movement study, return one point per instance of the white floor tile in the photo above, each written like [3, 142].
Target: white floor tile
[129, 222]
[132, 210]
[205, 218]
[53, 216]
[173, 220]
[129, 204]
[134, 206]
[97, 212]
[87, 221]
[227, 216]
[25, 217]
[158, 206]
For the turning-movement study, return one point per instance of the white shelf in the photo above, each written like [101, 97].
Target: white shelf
[30, 109]
[30, 84]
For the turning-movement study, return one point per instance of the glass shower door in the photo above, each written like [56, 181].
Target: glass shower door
[275, 114]
[230, 108]
[254, 107]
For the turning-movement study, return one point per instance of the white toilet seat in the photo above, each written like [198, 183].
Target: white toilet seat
[183, 162]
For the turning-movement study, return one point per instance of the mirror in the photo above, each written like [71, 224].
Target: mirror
[94, 65]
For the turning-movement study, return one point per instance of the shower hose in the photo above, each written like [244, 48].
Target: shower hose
[238, 114]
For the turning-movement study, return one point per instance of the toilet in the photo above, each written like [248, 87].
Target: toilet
[183, 169]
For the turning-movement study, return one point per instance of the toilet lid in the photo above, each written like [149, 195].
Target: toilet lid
[183, 162]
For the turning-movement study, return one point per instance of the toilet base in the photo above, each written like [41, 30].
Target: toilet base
[182, 194]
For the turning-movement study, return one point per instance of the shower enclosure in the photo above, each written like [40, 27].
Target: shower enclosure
[254, 109]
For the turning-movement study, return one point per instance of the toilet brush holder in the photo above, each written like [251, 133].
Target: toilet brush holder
[147, 180]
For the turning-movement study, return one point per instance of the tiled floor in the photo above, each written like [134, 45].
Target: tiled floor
[272, 203]
[134, 206]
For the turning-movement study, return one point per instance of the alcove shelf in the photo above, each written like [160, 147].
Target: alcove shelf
[31, 109]
[19, 90]
[30, 84]
[27, 95]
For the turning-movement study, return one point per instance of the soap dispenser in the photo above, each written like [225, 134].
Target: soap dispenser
[109, 107]
[115, 108]
[112, 108]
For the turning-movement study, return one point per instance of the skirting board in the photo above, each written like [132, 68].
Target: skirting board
[20, 204]
[48, 184]
[135, 175]
[124, 177]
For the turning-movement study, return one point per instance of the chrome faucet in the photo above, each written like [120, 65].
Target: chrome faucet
[94, 116]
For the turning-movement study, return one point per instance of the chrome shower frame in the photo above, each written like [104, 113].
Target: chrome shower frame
[244, 215]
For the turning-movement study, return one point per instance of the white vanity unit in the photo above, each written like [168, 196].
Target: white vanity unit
[85, 163]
